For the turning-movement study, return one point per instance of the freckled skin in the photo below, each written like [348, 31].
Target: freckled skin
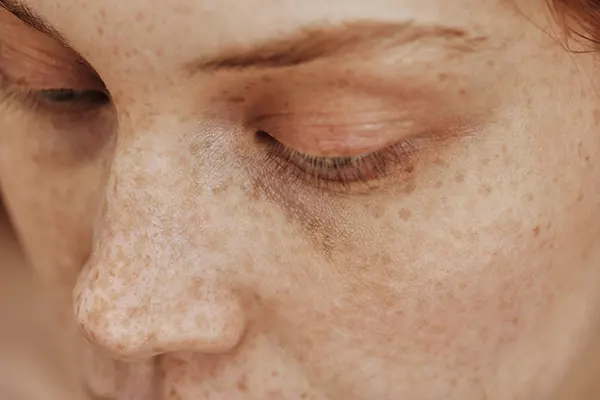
[184, 269]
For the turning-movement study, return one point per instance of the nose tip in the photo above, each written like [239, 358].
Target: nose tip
[139, 321]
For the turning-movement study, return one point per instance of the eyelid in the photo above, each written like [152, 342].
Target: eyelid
[33, 100]
[338, 134]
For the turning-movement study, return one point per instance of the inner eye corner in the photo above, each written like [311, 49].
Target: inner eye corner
[262, 137]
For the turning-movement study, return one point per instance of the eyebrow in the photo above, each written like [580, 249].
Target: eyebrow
[306, 45]
[322, 42]
[31, 19]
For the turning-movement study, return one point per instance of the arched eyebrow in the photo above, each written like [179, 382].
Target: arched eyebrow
[31, 19]
[321, 42]
[305, 45]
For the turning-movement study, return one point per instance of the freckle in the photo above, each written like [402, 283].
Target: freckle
[150, 28]
[485, 190]
[536, 231]
[182, 9]
[275, 374]
[404, 214]
[242, 384]
[140, 16]
[100, 30]
[378, 210]
[341, 82]
[490, 63]
[237, 99]
[442, 77]
[529, 197]
[462, 92]
[195, 287]
[266, 79]
[459, 178]
[384, 259]
[580, 198]
[304, 395]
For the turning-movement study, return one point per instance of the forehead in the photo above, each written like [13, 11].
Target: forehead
[177, 31]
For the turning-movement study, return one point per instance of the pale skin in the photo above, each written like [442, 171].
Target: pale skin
[465, 266]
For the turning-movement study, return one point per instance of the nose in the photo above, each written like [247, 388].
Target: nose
[152, 284]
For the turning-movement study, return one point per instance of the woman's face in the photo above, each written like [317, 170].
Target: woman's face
[325, 199]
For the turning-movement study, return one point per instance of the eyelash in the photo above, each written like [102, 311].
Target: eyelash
[338, 173]
[60, 101]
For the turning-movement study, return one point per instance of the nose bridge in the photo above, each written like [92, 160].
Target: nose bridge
[150, 286]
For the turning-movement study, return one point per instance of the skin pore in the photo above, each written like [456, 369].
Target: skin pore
[261, 199]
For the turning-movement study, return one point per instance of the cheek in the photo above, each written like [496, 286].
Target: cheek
[53, 203]
[457, 293]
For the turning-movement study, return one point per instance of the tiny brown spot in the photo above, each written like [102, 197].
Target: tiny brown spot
[237, 99]
[485, 190]
[536, 231]
[242, 384]
[378, 211]
[404, 214]
[529, 197]
[183, 9]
